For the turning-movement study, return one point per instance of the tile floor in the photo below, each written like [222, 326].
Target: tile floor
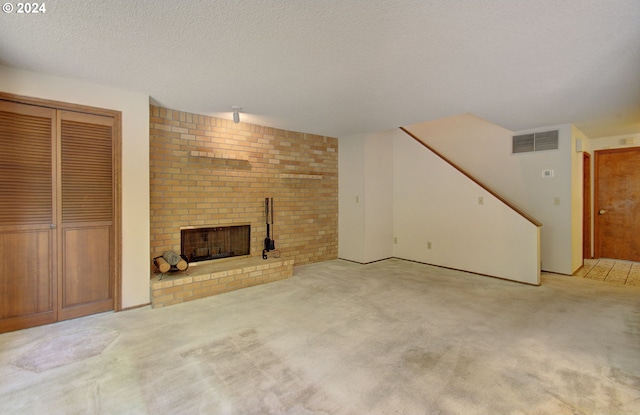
[613, 271]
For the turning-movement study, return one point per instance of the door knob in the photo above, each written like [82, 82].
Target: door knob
[602, 212]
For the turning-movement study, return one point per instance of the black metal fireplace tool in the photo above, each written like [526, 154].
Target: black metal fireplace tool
[269, 243]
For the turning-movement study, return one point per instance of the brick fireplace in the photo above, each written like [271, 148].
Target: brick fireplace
[210, 172]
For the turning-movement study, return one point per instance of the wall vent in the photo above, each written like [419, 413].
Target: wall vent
[527, 143]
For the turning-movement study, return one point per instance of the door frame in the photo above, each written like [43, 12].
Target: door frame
[117, 179]
[587, 216]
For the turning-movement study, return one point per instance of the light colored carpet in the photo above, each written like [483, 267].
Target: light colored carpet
[393, 337]
[65, 349]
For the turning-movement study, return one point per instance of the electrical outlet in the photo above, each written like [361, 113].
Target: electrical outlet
[480, 200]
[556, 201]
[395, 240]
[357, 199]
[428, 245]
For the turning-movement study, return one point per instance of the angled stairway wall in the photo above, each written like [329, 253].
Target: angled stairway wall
[444, 218]
[397, 199]
[484, 150]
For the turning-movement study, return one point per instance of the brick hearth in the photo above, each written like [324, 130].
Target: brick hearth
[217, 277]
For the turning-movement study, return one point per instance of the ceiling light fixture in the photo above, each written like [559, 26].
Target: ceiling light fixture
[236, 113]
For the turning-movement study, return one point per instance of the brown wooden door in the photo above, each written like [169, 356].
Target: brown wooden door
[617, 207]
[86, 217]
[59, 244]
[27, 216]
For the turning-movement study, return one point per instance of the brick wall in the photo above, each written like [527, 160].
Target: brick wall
[209, 171]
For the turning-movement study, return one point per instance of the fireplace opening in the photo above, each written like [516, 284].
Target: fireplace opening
[204, 244]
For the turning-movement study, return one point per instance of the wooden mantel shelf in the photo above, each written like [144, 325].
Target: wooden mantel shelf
[219, 156]
[301, 176]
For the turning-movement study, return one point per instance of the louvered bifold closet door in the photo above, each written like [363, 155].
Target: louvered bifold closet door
[27, 216]
[86, 214]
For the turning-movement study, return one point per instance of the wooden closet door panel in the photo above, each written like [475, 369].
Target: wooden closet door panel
[27, 163]
[86, 266]
[27, 216]
[26, 272]
[87, 168]
[87, 209]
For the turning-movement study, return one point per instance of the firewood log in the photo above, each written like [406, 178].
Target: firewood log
[182, 264]
[162, 265]
[171, 257]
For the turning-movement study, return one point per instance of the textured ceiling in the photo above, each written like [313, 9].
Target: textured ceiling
[344, 67]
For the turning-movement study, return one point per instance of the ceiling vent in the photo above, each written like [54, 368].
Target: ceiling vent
[528, 143]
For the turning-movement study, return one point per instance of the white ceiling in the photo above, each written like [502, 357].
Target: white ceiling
[339, 68]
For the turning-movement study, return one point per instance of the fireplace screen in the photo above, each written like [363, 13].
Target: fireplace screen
[203, 244]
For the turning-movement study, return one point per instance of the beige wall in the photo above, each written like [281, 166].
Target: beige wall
[398, 199]
[135, 162]
[484, 150]
[578, 140]
[207, 171]
[366, 197]
[440, 219]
